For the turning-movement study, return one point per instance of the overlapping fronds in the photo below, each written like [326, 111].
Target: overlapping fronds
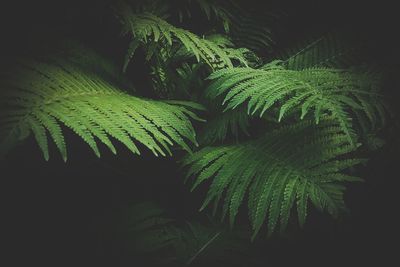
[333, 91]
[253, 29]
[329, 103]
[39, 96]
[146, 27]
[238, 56]
[220, 126]
[243, 56]
[286, 167]
[249, 29]
[168, 79]
[159, 240]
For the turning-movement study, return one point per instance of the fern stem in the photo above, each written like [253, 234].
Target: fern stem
[202, 248]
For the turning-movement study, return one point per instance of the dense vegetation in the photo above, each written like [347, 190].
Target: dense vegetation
[265, 127]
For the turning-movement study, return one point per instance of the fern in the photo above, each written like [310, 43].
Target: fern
[246, 28]
[253, 30]
[237, 56]
[177, 80]
[38, 96]
[288, 166]
[145, 27]
[326, 105]
[218, 10]
[231, 122]
[161, 240]
[324, 90]
[243, 56]
[189, 80]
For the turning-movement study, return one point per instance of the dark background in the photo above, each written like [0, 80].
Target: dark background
[61, 214]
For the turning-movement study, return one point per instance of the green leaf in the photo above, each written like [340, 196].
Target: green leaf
[43, 95]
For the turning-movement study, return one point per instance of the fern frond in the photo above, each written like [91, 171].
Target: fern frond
[299, 161]
[238, 56]
[147, 27]
[230, 122]
[253, 30]
[39, 97]
[332, 91]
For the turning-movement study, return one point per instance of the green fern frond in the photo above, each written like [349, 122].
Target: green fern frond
[290, 165]
[332, 91]
[238, 56]
[39, 96]
[243, 56]
[147, 27]
[220, 40]
[230, 122]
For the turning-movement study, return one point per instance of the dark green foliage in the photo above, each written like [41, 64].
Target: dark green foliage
[218, 11]
[39, 95]
[218, 128]
[253, 31]
[247, 28]
[146, 27]
[294, 164]
[316, 106]
[330, 50]
[321, 90]
[161, 240]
